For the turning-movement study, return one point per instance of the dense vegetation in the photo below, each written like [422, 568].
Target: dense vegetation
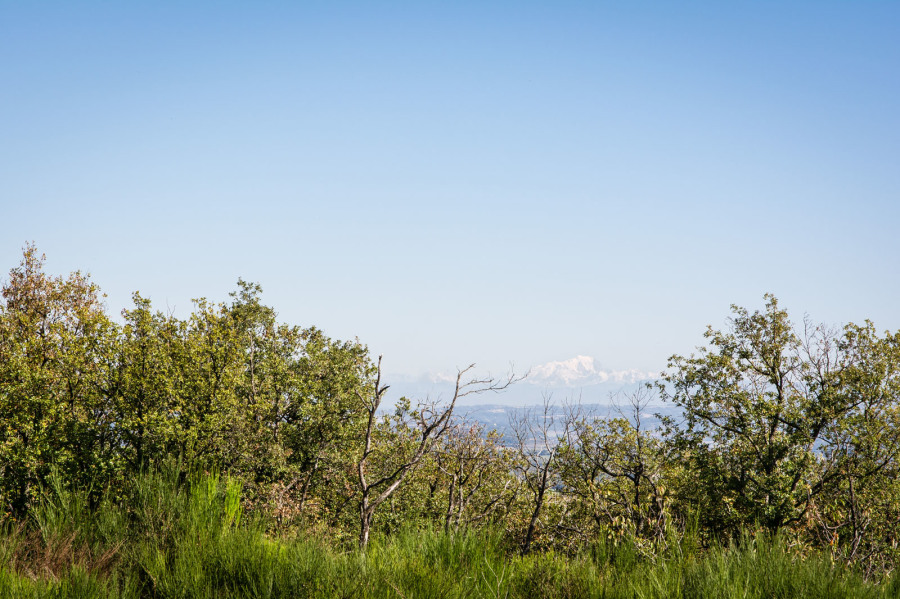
[228, 453]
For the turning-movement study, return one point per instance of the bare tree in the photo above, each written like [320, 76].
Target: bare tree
[429, 422]
[475, 465]
[538, 443]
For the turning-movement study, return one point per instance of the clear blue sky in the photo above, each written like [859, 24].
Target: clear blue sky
[463, 181]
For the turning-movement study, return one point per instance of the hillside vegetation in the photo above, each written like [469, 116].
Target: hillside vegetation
[229, 454]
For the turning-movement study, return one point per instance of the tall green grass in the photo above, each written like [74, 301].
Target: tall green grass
[176, 536]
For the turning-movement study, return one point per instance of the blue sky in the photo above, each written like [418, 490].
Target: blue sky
[469, 181]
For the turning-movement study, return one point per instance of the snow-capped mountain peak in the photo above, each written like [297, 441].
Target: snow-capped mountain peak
[582, 371]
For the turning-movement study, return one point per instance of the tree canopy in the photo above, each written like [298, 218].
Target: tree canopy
[780, 425]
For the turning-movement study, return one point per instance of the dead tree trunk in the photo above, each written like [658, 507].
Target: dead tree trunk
[431, 422]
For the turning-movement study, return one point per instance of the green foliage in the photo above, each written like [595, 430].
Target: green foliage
[53, 336]
[229, 454]
[227, 388]
[616, 475]
[776, 420]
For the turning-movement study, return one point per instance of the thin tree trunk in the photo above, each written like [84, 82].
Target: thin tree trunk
[532, 524]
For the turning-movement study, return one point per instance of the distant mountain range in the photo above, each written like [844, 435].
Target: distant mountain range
[582, 371]
[578, 378]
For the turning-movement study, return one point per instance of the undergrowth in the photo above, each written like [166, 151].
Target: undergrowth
[170, 536]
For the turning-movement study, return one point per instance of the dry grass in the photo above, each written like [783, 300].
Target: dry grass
[29, 554]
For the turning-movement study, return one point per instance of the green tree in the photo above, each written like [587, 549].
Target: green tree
[53, 334]
[616, 473]
[775, 418]
[322, 420]
[142, 378]
[857, 513]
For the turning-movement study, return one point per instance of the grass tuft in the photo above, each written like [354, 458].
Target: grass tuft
[180, 537]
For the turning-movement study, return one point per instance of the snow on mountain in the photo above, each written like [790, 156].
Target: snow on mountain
[582, 371]
[580, 377]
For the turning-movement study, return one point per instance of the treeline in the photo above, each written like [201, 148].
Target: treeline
[791, 430]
